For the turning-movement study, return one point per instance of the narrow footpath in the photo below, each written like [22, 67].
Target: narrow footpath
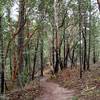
[52, 91]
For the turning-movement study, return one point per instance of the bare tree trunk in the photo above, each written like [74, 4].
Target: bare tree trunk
[35, 57]
[2, 59]
[11, 30]
[89, 43]
[85, 42]
[60, 60]
[42, 45]
[21, 41]
[64, 47]
[67, 54]
[80, 36]
[56, 26]
[72, 58]
[94, 52]
[53, 50]
[28, 47]
[10, 57]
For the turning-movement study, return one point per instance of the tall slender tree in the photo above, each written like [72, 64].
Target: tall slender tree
[89, 43]
[2, 58]
[21, 37]
[80, 36]
[56, 8]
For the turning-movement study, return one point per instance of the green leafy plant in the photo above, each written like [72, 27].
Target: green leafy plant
[75, 98]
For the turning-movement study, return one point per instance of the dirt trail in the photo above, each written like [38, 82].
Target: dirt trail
[52, 91]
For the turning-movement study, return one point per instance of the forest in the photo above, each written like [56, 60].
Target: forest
[49, 49]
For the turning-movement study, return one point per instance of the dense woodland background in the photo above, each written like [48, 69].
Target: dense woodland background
[36, 35]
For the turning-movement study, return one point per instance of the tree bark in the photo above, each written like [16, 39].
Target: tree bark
[64, 47]
[35, 57]
[2, 58]
[85, 42]
[80, 36]
[42, 45]
[21, 42]
[94, 52]
[89, 43]
[56, 32]
[67, 54]
[53, 51]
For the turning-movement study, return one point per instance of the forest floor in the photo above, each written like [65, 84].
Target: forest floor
[47, 90]
[52, 91]
[87, 88]
[66, 85]
[29, 92]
